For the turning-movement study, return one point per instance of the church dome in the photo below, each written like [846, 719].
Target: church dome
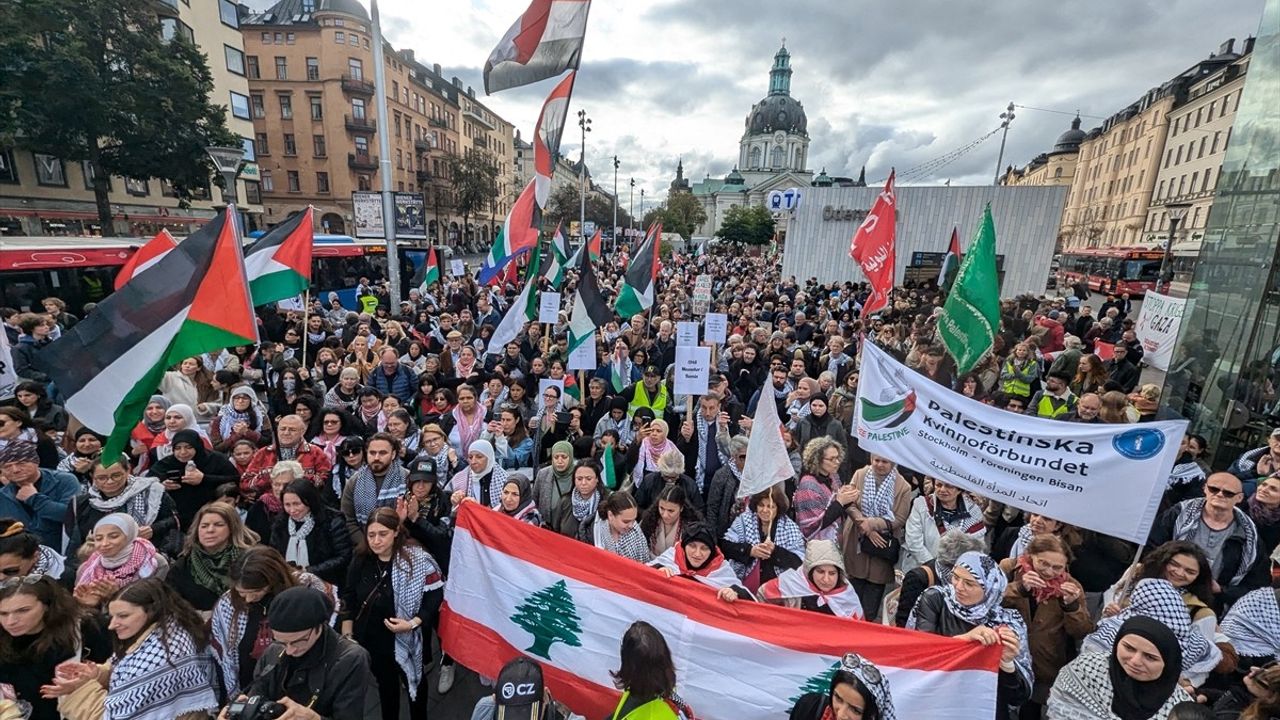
[778, 112]
[1069, 141]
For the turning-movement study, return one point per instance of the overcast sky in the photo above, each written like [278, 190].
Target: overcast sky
[883, 84]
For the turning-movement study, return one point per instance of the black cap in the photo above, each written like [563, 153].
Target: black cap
[652, 370]
[423, 468]
[299, 608]
[519, 690]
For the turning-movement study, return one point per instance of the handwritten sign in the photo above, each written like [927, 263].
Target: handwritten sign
[715, 328]
[1157, 327]
[686, 334]
[549, 308]
[457, 268]
[583, 357]
[702, 295]
[693, 367]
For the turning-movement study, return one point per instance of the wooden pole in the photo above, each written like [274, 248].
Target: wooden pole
[306, 309]
[688, 408]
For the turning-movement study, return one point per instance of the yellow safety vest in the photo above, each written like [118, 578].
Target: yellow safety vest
[369, 303]
[641, 399]
[1046, 408]
[1015, 386]
[656, 709]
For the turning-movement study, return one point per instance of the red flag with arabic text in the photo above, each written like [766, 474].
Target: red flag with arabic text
[873, 248]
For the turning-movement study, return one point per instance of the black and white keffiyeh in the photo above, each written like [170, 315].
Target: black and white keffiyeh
[632, 545]
[583, 508]
[369, 497]
[877, 495]
[1252, 625]
[413, 573]
[162, 677]
[49, 563]
[1189, 516]
[706, 430]
[1159, 600]
[1184, 473]
[1083, 690]
[1020, 543]
[140, 499]
[746, 529]
[297, 552]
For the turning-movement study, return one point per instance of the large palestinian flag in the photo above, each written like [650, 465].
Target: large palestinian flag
[565, 605]
[194, 300]
[638, 290]
[146, 256]
[279, 263]
[589, 310]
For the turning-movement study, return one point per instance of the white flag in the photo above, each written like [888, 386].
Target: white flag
[767, 460]
[513, 322]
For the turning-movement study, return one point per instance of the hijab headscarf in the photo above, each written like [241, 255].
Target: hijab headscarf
[136, 559]
[230, 416]
[497, 476]
[194, 439]
[526, 510]
[1137, 700]
[1160, 600]
[157, 426]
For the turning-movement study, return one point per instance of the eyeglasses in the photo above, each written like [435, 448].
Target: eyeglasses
[332, 421]
[353, 451]
[1215, 490]
[854, 663]
[290, 644]
[14, 582]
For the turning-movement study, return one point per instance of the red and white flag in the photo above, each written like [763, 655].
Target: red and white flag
[872, 247]
[516, 589]
[146, 256]
[544, 42]
[546, 137]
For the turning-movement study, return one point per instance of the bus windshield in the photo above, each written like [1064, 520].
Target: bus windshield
[1141, 269]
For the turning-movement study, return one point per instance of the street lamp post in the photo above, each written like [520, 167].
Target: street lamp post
[227, 161]
[1006, 117]
[584, 122]
[614, 232]
[642, 209]
[1177, 211]
[631, 203]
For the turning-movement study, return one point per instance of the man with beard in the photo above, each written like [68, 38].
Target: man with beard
[378, 484]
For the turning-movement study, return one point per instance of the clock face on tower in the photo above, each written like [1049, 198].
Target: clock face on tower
[779, 137]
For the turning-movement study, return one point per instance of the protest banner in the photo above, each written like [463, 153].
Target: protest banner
[456, 268]
[693, 368]
[1157, 327]
[686, 334]
[519, 590]
[583, 357]
[549, 308]
[1103, 477]
[715, 328]
[702, 295]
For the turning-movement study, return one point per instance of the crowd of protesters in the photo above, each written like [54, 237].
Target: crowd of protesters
[333, 456]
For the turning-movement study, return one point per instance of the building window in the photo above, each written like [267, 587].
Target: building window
[396, 123]
[279, 38]
[353, 40]
[286, 106]
[308, 6]
[340, 37]
[295, 185]
[313, 68]
[235, 59]
[317, 107]
[8, 168]
[322, 182]
[137, 188]
[399, 159]
[1203, 141]
[357, 108]
[290, 144]
[317, 145]
[173, 27]
[251, 67]
[259, 105]
[260, 143]
[362, 182]
[395, 90]
[266, 38]
[366, 43]
[282, 68]
[290, 38]
[250, 153]
[239, 105]
[355, 68]
[86, 169]
[268, 184]
[228, 13]
[252, 193]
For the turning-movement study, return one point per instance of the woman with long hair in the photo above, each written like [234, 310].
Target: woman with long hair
[615, 528]
[189, 383]
[41, 626]
[1115, 407]
[390, 598]
[858, 692]
[119, 557]
[510, 437]
[32, 397]
[16, 425]
[160, 669]
[1256, 697]
[201, 573]
[310, 535]
[402, 428]
[1091, 376]
[240, 419]
[335, 426]
[1134, 676]
[664, 521]
[762, 541]
[647, 676]
[465, 422]
[818, 485]
[1186, 566]
[578, 508]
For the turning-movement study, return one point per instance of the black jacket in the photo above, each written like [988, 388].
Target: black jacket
[81, 517]
[914, 583]
[1259, 574]
[721, 495]
[809, 706]
[334, 673]
[932, 616]
[328, 545]
[653, 484]
[217, 469]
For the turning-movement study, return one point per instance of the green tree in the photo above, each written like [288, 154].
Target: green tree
[681, 213]
[751, 225]
[820, 683]
[550, 617]
[563, 206]
[95, 81]
[475, 183]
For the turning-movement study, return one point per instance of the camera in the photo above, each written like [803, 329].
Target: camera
[256, 707]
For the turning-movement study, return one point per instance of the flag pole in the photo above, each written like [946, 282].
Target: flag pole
[384, 166]
[306, 309]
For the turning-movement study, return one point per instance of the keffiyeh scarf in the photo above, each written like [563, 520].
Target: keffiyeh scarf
[714, 573]
[1160, 600]
[163, 676]
[583, 508]
[632, 545]
[1253, 624]
[877, 496]
[369, 497]
[140, 499]
[413, 573]
[49, 563]
[497, 478]
[1083, 690]
[1184, 473]
[231, 416]
[746, 529]
[296, 552]
[706, 434]
[1189, 514]
[468, 430]
[141, 559]
[211, 571]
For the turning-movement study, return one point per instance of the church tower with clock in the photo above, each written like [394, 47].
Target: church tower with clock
[776, 138]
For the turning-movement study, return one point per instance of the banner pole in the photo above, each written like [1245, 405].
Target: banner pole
[306, 309]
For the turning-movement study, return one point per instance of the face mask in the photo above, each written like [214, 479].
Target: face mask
[290, 385]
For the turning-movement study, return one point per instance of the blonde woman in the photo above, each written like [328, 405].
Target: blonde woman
[201, 573]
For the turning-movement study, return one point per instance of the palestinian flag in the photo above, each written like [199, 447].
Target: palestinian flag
[545, 41]
[197, 300]
[145, 257]
[279, 263]
[589, 308]
[608, 471]
[638, 289]
[429, 273]
[565, 604]
[518, 233]
[950, 263]
[557, 260]
[546, 137]
[523, 310]
[593, 247]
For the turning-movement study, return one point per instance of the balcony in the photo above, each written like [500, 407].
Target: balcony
[361, 125]
[424, 145]
[424, 176]
[436, 122]
[357, 86]
[165, 8]
[478, 118]
[362, 161]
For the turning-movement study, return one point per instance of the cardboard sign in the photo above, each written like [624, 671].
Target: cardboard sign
[715, 328]
[584, 357]
[686, 334]
[702, 295]
[549, 308]
[693, 368]
[456, 268]
[293, 303]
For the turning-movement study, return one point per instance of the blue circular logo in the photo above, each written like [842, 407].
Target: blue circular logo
[1139, 443]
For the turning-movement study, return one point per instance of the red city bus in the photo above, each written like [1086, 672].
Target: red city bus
[1111, 270]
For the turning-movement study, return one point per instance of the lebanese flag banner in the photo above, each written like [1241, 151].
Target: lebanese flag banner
[872, 247]
[515, 589]
[146, 256]
[546, 137]
[545, 41]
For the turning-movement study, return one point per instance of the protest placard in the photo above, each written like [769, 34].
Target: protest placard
[693, 367]
[583, 357]
[457, 268]
[686, 334]
[549, 308]
[1157, 327]
[715, 328]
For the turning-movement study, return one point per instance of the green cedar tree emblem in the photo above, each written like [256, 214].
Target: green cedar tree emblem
[549, 615]
[820, 683]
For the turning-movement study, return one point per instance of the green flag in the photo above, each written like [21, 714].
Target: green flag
[971, 316]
